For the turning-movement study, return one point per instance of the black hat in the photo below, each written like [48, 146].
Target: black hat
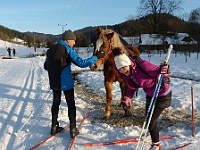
[69, 35]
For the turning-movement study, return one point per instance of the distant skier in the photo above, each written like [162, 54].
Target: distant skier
[9, 51]
[14, 52]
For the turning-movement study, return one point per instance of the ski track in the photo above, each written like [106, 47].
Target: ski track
[20, 99]
[3, 71]
[17, 108]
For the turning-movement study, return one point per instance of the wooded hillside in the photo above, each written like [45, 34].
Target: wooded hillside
[87, 36]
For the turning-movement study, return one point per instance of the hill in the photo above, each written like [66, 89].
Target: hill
[86, 36]
[168, 23]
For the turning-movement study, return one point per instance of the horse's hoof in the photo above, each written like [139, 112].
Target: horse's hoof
[128, 113]
[106, 118]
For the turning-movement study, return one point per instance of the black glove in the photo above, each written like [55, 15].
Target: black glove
[45, 65]
[100, 54]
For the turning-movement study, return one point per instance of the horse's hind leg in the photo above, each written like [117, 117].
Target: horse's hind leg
[108, 87]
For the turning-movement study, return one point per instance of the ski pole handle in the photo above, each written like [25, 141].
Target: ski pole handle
[165, 61]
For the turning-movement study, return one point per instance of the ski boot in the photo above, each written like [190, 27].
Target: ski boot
[55, 129]
[155, 146]
[73, 131]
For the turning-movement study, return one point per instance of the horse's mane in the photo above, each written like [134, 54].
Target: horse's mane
[118, 41]
[127, 49]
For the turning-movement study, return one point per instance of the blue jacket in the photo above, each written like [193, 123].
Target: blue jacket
[59, 59]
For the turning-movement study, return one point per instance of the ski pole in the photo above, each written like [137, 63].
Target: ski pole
[146, 117]
[152, 102]
[148, 111]
[16, 133]
[152, 110]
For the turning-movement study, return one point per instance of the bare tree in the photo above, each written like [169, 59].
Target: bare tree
[195, 16]
[157, 7]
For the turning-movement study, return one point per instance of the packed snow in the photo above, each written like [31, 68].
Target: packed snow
[25, 108]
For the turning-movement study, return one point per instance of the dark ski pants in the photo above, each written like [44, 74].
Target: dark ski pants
[153, 129]
[69, 96]
[161, 103]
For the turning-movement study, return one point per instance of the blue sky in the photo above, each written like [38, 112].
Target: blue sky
[44, 15]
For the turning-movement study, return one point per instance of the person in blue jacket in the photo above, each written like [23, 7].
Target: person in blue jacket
[58, 64]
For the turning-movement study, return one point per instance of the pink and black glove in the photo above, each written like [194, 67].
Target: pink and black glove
[126, 101]
[164, 69]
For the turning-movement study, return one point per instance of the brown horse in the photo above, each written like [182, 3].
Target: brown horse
[109, 39]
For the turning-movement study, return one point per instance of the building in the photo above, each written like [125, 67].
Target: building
[180, 41]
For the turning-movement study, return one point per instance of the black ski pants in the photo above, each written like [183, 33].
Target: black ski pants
[161, 103]
[153, 129]
[69, 96]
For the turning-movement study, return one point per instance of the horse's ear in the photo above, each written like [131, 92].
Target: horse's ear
[110, 35]
[98, 30]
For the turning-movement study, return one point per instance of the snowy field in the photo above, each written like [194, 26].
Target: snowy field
[26, 104]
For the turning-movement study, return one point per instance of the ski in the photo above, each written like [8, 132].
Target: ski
[182, 146]
[79, 126]
[123, 141]
[49, 137]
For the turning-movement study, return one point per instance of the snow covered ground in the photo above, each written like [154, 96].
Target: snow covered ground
[26, 104]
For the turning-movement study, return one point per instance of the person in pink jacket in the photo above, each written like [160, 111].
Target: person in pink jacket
[138, 73]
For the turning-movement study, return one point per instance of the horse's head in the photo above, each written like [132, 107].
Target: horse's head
[107, 40]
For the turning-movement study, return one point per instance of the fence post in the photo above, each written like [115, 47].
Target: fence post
[192, 98]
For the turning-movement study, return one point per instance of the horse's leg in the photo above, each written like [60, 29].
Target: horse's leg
[123, 90]
[108, 86]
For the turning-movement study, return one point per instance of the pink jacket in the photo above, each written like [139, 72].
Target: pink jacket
[147, 81]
